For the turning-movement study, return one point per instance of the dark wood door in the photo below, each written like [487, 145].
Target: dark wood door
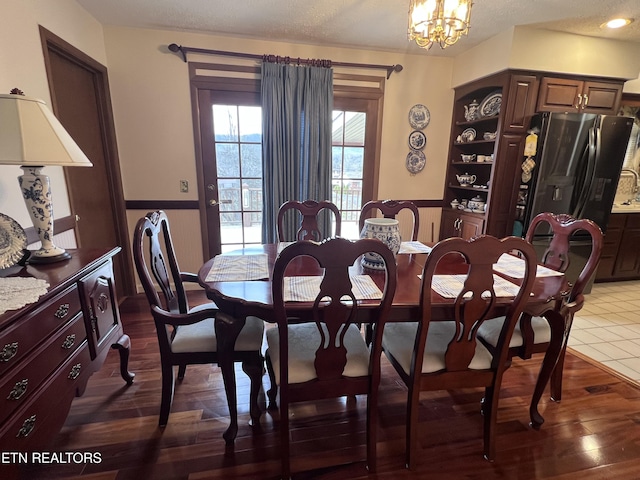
[81, 101]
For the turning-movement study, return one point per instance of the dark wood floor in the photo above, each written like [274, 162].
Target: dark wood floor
[593, 433]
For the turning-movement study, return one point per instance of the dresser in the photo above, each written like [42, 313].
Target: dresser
[50, 348]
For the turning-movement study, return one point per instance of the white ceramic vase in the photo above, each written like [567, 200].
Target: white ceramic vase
[388, 232]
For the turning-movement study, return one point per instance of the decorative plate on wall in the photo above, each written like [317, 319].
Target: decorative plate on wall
[416, 161]
[419, 116]
[13, 241]
[417, 140]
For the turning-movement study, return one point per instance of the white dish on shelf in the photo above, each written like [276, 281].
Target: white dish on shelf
[477, 210]
[491, 104]
[468, 135]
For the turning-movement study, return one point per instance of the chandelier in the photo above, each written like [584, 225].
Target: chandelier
[438, 21]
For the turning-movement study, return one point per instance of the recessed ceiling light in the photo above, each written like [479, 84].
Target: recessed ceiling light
[617, 23]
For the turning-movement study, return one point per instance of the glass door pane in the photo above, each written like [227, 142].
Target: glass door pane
[238, 151]
[348, 167]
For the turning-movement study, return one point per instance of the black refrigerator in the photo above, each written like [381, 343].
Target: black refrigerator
[575, 170]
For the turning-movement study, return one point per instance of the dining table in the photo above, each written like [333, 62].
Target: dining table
[239, 282]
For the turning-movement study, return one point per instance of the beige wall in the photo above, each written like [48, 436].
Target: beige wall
[22, 66]
[545, 50]
[152, 109]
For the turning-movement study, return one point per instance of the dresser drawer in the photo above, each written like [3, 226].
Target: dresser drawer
[21, 382]
[39, 420]
[19, 338]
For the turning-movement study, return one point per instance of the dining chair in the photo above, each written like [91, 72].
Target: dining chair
[390, 209]
[309, 210]
[533, 334]
[188, 335]
[445, 354]
[327, 357]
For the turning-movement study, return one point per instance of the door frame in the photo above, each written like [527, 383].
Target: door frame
[247, 79]
[52, 43]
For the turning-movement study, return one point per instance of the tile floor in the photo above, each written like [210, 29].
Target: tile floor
[607, 329]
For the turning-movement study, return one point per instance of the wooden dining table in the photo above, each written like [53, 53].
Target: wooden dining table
[242, 298]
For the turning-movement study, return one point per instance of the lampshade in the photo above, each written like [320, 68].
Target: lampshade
[438, 21]
[32, 136]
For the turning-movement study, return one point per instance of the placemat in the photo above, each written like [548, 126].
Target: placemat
[449, 286]
[513, 267]
[238, 268]
[414, 247]
[305, 289]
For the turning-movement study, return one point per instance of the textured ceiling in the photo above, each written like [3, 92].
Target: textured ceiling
[368, 24]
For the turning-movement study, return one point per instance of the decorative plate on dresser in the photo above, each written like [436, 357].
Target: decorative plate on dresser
[13, 241]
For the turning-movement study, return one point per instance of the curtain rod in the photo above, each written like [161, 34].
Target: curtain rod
[184, 50]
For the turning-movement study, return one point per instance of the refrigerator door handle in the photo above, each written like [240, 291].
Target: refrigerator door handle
[593, 150]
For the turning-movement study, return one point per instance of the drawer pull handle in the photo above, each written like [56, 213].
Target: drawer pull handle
[75, 371]
[27, 427]
[69, 341]
[18, 390]
[63, 311]
[9, 351]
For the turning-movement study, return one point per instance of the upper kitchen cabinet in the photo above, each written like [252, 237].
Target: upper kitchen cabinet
[580, 96]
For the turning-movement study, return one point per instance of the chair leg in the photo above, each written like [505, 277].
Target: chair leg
[284, 440]
[372, 431]
[556, 377]
[253, 369]
[490, 418]
[413, 403]
[167, 394]
[272, 393]
[182, 369]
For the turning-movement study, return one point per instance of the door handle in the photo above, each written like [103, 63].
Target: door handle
[213, 203]
[579, 101]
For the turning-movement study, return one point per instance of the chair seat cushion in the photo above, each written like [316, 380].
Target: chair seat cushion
[399, 338]
[201, 337]
[489, 331]
[304, 340]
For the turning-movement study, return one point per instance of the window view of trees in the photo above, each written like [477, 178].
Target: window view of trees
[238, 152]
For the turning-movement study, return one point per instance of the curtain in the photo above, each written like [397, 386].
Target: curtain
[297, 104]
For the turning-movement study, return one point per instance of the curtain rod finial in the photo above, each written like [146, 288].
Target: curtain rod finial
[175, 48]
[394, 68]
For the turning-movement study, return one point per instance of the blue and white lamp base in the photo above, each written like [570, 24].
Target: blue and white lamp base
[36, 190]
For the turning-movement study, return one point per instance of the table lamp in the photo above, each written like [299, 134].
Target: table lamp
[32, 137]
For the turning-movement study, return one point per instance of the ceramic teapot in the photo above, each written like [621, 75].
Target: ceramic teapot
[476, 203]
[466, 179]
[471, 111]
